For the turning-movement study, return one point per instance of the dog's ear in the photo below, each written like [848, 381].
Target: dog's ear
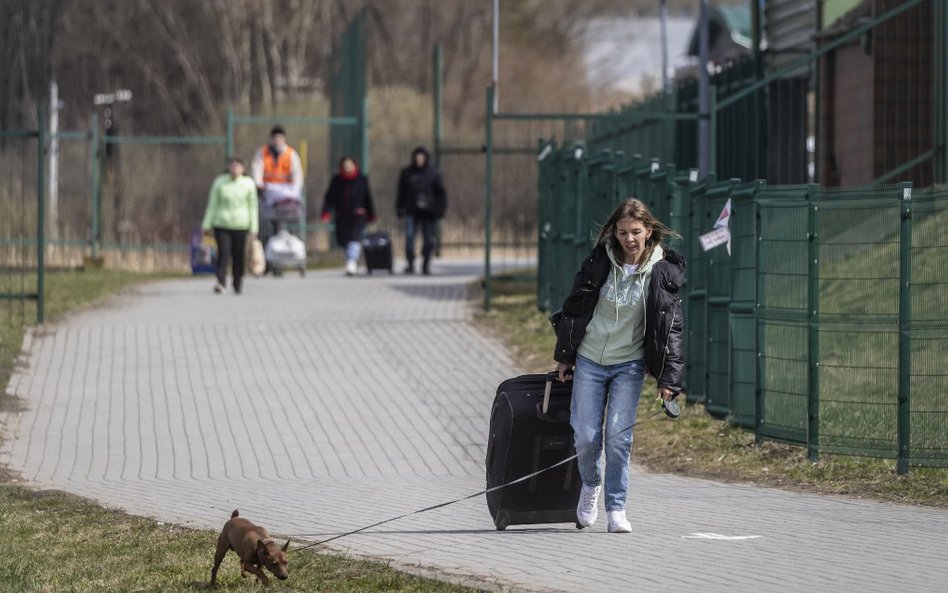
[261, 546]
[286, 546]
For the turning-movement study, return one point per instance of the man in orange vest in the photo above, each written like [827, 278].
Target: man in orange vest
[278, 172]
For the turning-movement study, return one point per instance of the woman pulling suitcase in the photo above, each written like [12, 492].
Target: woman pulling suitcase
[621, 320]
[350, 199]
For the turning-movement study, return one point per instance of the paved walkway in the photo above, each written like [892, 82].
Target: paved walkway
[323, 404]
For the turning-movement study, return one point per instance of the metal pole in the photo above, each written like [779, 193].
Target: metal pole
[438, 107]
[755, 28]
[905, 330]
[41, 217]
[813, 336]
[54, 107]
[941, 94]
[495, 68]
[704, 96]
[663, 19]
[95, 176]
[488, 189]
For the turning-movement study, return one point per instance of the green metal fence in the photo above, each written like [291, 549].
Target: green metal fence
[23, 204]
[825, 325]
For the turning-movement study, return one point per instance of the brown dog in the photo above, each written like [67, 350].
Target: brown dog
[255, 548]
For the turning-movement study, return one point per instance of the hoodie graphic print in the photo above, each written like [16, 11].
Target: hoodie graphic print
[616, 333]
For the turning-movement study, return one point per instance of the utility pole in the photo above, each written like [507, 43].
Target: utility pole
[496, 57]
[704, 93]
[54, 106]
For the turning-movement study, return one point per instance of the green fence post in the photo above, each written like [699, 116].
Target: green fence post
[95, 176]
[941, 94]
[488, 189]
[813, 337]
[41, 215]
[905, 329]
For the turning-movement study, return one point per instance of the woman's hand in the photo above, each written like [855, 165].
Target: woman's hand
[665, 394]
[564, 371]
[360, 211]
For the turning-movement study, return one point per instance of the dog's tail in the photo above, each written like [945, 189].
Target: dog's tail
[236, 513]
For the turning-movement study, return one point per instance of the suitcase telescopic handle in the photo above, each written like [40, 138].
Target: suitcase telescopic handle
[550, 377]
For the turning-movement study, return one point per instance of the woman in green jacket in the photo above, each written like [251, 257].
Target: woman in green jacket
[231, 213]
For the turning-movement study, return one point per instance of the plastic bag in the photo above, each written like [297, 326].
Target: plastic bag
[256, 263]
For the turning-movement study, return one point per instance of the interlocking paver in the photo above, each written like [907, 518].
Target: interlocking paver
[354, 400]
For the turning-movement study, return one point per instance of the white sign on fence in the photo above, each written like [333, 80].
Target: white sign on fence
[718, 236]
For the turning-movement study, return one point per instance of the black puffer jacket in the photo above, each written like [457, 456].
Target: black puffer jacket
[421, 190]
[664, 346]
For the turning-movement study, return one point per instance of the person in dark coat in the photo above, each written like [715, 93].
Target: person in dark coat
[421, 202]
[350, 199]
[622, 319]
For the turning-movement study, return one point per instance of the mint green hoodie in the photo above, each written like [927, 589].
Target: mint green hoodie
[616, 333]
[232, 204]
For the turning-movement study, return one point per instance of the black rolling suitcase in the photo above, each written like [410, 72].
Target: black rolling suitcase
[525, 438]
[377, 248]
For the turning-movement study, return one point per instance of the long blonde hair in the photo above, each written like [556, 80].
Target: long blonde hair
[633, 208]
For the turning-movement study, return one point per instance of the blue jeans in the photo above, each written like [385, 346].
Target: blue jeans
[606, 395]
[353, 250]
[428, 229]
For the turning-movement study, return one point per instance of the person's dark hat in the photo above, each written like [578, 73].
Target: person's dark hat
[277, 130]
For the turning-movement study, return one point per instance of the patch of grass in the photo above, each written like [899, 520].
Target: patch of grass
[701, 446]
[63, 543]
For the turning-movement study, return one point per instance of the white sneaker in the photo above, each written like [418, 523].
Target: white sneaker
[587, 509]
[618, 523]
[351, 268]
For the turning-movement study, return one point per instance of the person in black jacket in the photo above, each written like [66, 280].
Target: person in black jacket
[621, 320]
[350, 198]
[421, 201]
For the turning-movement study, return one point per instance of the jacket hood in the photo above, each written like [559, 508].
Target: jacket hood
[420, 150]
[658, 254]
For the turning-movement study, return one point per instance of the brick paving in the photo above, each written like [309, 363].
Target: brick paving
[352, 400]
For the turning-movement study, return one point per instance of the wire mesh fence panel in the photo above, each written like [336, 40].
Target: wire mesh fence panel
[928, 412]
[782, 317]
[18, 234]
[152, 199]
[69, 201]
[743, 283]
[718, 271]
[858, 309]
[696, 317]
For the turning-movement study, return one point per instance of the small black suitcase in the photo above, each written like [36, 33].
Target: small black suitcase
[526, 436]
[377, 247]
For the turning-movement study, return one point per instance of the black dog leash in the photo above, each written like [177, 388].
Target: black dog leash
[664, 410]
